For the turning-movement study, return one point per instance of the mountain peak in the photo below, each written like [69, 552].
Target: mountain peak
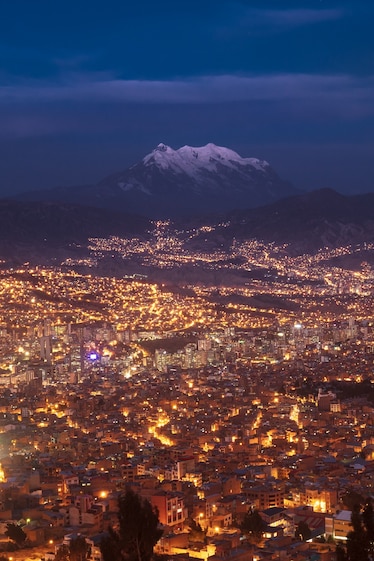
[162, 148]
[190, 180]
[194, 179]
[193, 159]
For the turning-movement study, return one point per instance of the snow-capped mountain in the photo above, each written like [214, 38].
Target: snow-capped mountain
[171, 183]
[193, 180]
[194, 161]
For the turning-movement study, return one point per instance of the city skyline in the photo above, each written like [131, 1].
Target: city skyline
[186, 346]
[210, 412]
[86, 92]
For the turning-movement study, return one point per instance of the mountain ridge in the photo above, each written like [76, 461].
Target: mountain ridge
[168, 183]
[303, 223]
[306, 222]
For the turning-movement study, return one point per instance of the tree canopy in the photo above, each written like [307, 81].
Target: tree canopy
[15, 533]
[253, 525]
[303, 530]
[78, 549]
[196, 533]
[138, 530]
[360, 540]
[351, 499]
[63, 553]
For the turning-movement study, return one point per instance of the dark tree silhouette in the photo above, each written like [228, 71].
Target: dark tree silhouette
[196, 534]
[368, 522]
[15, 533]
[138, 530]
[303, 530]
[63, 553]
[340, 553]
[78, 549]
[253, 525]
[351, 499]
[357, 541]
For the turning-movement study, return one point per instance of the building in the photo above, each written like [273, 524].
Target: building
[171, 509]
[338, 525]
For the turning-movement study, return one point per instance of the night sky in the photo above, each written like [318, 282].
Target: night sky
[89, 87]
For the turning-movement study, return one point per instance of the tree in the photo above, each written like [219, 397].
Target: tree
[303, 530]
[63, 553]
[196, 533]
[368, 522]
[351, 499]
[357, 543]
[340, 553]
[15, 533]
[137, 533]
[253, 525]
[78, 549]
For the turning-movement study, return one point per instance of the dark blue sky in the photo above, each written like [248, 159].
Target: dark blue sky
[89, 87]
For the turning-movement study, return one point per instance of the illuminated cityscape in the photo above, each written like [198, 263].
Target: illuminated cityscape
[207, 399]
[186, 280]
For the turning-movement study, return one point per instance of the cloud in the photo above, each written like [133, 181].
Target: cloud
[293, 17]
[89, 104]
[260, 21]
[306, 88]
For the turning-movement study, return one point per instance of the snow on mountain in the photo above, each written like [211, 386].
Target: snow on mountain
[191, 180]
[192, 160]
[170, 183]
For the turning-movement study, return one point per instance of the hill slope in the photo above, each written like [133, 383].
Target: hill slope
[171, 183]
